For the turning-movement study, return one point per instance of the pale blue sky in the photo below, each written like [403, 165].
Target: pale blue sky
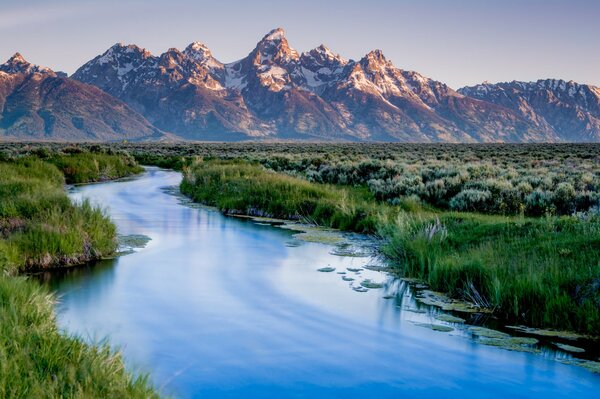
[456, 41]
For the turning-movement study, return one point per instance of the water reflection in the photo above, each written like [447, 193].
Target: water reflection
[219, 307]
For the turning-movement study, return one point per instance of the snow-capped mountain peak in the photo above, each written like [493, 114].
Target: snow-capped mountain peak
[18, 64]
[119, 49]
[322, 55]
[198, 47]
[17, 58]
[275, 35]
[201, 54]
[274, 48]
[375, 61]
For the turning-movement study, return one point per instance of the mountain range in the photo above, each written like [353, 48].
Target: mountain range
[277, 93]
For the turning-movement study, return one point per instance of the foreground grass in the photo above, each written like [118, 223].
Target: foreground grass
[544, 272]
[37, 361]
[41, 228]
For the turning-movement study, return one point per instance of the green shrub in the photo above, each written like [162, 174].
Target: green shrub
[471, 200]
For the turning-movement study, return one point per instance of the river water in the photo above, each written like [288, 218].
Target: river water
[217, 307]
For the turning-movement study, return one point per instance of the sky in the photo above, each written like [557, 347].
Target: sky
[459, 42]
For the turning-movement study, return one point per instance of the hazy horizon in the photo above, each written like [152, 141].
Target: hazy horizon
[463, 43]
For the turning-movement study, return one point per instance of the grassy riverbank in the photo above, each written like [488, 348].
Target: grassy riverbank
[543, 272]
[237, 187]
[40, 228]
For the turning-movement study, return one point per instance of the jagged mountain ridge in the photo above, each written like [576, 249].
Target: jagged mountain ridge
[37, 103]
[276, 92]
[569, 109]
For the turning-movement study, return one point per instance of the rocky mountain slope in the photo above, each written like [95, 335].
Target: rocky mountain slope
[37, 103]
[276, 92]
[568, 109]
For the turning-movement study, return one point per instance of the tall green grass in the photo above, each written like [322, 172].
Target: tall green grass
[38, 361]
[39, 225]
[238, 187]
[544, 272]
[41, 228]
[86, 167]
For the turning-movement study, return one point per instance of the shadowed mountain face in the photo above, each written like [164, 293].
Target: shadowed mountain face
[568, 109]
[276, 92]
[37, 103]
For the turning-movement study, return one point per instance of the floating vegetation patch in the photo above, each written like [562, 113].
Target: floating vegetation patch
[523, 340]
[414, 310]
[174, 190]
[444, 302]
[411, 281]
[341, 272]
[388, 296]
[347, 278]
[360, 289]
[293, 244]
[353, 269]
[376, 268]
[261, 220]
[268, 221]
[133, 240]
[569, 348]
[435, 327]
[502, 340]
[488, 333]
[316, 234]
[518, 344]
[590, 365]
[326, 269]
[449, 318]
[350, 250]
[548, 333]
[371, 284]
[128, 243]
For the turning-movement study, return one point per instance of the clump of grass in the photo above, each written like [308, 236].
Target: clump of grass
[85, 167]
[42, 228]
[238, 187]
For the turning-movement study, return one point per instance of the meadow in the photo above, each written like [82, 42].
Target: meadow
[41, 228]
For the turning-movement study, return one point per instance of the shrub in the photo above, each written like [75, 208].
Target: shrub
[471, 200]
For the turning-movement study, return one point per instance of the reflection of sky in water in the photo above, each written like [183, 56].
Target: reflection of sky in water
[221, 307]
